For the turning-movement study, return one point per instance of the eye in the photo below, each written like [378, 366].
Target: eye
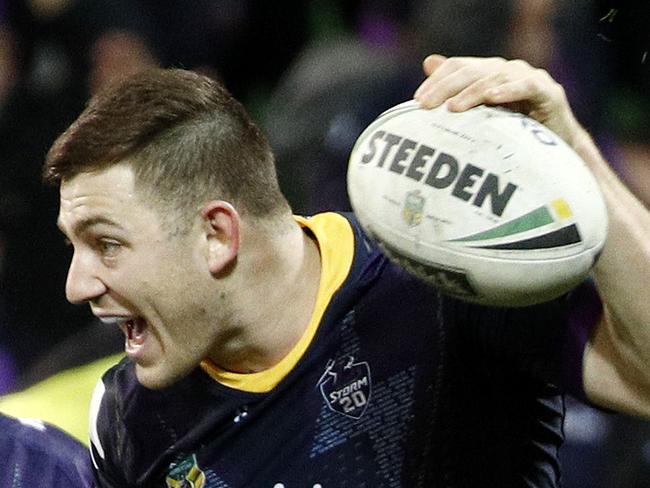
[108, 247]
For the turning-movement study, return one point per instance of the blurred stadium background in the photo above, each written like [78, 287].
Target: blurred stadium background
[314, 73]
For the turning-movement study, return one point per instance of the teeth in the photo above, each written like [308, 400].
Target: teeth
[114, 320]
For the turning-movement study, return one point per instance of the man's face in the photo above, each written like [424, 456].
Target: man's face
[133, 274]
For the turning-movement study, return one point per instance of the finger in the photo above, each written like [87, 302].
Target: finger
[443, 68]
[455, 75]
[436, 91]
[432, 62]
[518, 82]
[530, 89]
[540, 99]
[476, 93]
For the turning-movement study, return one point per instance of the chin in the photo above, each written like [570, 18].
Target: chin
[156, 378]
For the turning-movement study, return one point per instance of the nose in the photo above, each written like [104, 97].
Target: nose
[83, 283]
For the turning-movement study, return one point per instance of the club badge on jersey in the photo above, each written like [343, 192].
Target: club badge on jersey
[346, 386]
[186, 474]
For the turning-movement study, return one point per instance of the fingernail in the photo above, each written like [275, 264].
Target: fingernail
[454, 105]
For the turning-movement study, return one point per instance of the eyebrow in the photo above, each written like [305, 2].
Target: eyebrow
[81, 226]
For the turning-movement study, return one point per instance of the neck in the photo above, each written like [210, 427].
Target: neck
[274, 302]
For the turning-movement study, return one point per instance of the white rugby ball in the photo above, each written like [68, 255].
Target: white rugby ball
[487, 205]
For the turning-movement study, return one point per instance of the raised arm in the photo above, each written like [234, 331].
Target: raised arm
[617, 359]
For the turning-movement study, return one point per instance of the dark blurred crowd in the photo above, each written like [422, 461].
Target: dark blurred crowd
[314, 73]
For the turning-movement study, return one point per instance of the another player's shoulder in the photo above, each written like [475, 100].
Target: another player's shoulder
[40, 455]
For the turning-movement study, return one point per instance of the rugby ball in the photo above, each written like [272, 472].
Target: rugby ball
[487, 205]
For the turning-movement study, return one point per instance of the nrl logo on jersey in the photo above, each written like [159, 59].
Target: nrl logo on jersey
[346, 386]
[185, 474]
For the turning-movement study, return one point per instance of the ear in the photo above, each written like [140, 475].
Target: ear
[222, 224]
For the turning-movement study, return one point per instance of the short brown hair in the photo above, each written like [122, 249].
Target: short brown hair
[188, 139]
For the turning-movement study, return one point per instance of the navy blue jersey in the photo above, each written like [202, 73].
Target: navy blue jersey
[392, 385]
[37, 455]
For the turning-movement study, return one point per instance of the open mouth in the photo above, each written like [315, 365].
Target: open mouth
[134, 328]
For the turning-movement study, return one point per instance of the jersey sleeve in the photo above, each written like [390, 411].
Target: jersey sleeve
[545, 342]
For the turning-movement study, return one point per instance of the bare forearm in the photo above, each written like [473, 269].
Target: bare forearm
[623, 269]
[618, 360]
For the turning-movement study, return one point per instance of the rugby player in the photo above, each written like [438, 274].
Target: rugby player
[271, 350]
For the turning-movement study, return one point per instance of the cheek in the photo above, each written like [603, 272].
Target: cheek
[175, 271]
[183, 293]
[176, 288]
